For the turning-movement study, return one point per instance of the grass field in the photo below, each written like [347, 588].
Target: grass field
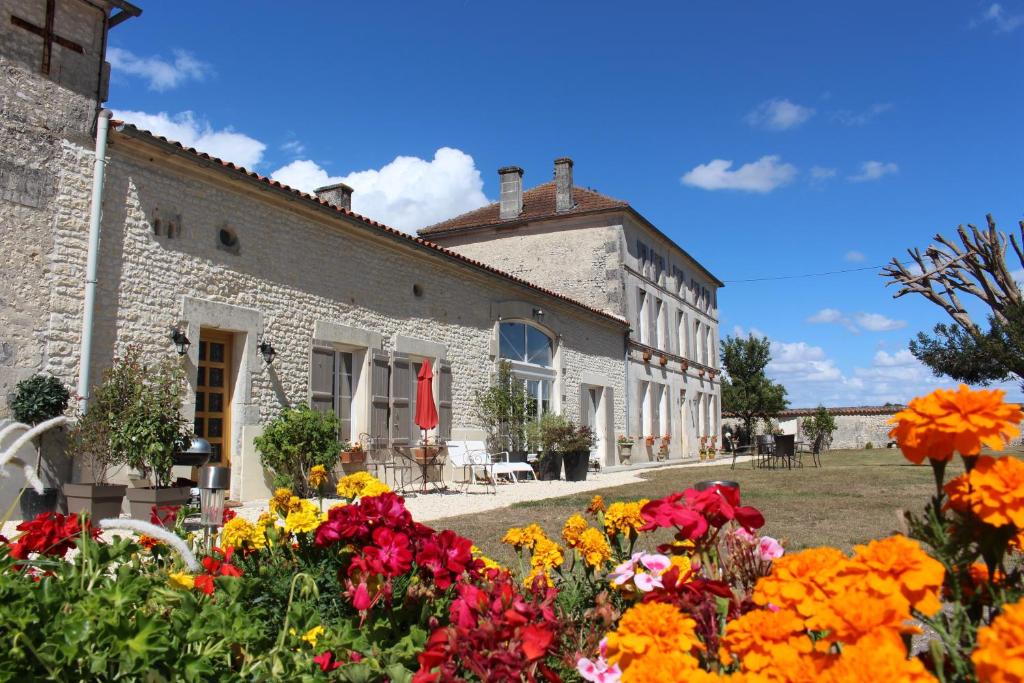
[854, 497]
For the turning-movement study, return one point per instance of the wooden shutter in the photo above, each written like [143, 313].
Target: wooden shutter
[401, 388]
[444, 400]
[380, 379]
[322, 386]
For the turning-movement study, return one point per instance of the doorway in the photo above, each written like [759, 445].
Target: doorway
[213, 394]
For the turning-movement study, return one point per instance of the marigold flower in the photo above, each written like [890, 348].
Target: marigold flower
[361, 485]
[995, 492]
[574, 526]
[659, 667]
[317, 476]
[479, 555]
[148, 542]
[279, 502]
[534, 574]
[624, 518]
[593, 548]
[760, 638]
[546, 554]
[876, 657]
[237, 532]
[596, 505]
[899, 566]
[526, 537]
[181, 580]
[650, 628]
[306, 518]
[947, 421]
[802, 581]
[312, 634]
[857, 612]
[999, 657]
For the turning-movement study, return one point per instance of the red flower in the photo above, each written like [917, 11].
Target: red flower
[204, 583]
[391, 555]
[214, 567]
[325, 660]
[229, 515]
[536, 641]
[163, 515]
[50, 533]
[721, 504]
[666, 512]
[447, 555]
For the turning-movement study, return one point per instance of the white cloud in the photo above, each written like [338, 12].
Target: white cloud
[848, 117]
[856, 322]
[822, 173]
[407, 193]
[763, 175]
[854, 256]
[185, 128]
[873, 170]
[294, 148]
[997, 17]
[161, 73]
[799, 362]
[779, 114]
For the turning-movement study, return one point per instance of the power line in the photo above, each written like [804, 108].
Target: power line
[805, 275]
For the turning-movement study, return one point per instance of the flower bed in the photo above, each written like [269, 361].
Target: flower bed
[362, 592]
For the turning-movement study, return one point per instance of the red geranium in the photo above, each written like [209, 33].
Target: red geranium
[390, 556]
[50, 533]
[214, 567]
[163, 515]
[692, 512]
[447, 555]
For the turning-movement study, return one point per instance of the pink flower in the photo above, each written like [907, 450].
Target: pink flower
[598, 671]
[655, 563]
[769, 549]
[744, 535]
[634, 569]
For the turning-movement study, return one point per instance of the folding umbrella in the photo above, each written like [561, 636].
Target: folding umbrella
[426, 412]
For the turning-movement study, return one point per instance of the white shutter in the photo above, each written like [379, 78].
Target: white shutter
[444, 400]
[380, 379]
[401, 388]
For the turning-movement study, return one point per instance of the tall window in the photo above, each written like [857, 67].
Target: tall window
[681, 329]
[659, 321]
[331, 387]
[644, 405]
[656, 417]
[531, 354]
[641, 317]
[659, 269]
[643, 257]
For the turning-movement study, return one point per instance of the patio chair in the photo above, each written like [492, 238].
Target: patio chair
[765, 447]
[461, 456]
[814, 450]
[730, 447]
[783, 450]
[594, 462]
[500, 462]
[397, 471]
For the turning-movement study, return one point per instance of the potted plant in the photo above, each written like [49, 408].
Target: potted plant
[545, 435]
[663, 360]
[647, 355]
[37, 399]
[684, 364]
[352, 454]
[426, 452]
[666, 439]
[649, 440]
[504, 410]
[148, 429]
[296, 440]
[90, 446]
[575, 447]
[625, 444]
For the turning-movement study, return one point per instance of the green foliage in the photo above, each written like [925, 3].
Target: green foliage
[38, 399]
[868, 446]
[746, 390]
[822, 424]
[295, 441]
[505, 409]
[144, 415]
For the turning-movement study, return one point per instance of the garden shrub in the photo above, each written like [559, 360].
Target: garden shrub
[295, 441]
[39, 398]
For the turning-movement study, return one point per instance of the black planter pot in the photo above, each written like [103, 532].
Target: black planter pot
[517, 456]
[33, 503]
[549, 468]
[576, 465]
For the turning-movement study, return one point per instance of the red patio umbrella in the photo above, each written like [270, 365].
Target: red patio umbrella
[426, 412]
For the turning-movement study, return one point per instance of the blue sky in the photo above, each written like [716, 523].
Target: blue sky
[768, 139]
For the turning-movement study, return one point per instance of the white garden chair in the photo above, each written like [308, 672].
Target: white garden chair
[500, 463]
[470, 462]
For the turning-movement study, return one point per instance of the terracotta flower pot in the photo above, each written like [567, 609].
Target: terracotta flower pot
[99, 501]
[647, 356]
[663, 360]
[141, 500]
[350, 457]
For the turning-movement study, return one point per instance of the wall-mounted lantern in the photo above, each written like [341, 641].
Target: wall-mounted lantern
[267, 351]
[181, 342]
[538, 315]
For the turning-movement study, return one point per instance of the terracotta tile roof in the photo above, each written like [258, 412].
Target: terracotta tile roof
[136, 133]
[538, 203]
[846, 410]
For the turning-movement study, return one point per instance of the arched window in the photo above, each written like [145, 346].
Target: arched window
[530, 352]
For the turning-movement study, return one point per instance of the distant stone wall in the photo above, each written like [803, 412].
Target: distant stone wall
[852, 431]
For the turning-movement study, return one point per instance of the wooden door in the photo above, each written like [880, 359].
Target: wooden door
[213, 393]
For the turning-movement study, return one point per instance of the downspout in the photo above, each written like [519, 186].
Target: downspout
[627, 391]
[92, 263]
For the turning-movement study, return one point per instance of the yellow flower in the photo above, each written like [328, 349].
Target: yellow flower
[181, 580]
[312, 634]
[574, 526]
[280, 501]
[547, 554]
[237, 532]
[534, 573]
[524, 538]
[305, 518]
[946, 421]
[624, 518]
[999, 657]
[317, 476]
[650, 628]
[488, 562]
[593, 547]
[360, 485]
[596, 505]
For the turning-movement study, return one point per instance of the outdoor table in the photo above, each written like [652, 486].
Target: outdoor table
[434, 456]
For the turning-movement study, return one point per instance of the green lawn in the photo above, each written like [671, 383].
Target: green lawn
[854, 497]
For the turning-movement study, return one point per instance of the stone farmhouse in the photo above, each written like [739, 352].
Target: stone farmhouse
[195, 246]
[603, 252]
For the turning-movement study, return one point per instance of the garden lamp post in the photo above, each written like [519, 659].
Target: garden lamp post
[214, 480]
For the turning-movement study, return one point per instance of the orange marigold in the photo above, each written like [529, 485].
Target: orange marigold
[596, 505]
[661, 667]
[947, 421]
[999, 657]
[574, 526]
[802, 581]
[624, 518]
[763, 638]
[593, 548]
[649, 628]
[996, 494]
[899, 566]
[857, 612]
[875, 657]
[959, 491]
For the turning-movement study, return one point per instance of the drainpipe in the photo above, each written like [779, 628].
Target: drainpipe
[92, 264]
[626, 397]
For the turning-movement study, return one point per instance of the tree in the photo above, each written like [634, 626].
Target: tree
[746, 390]
[821, 424]
[975, 267]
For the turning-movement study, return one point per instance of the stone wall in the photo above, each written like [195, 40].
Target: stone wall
[852, 431]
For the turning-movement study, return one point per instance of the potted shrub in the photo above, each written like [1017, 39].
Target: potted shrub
[575, 447]
[38, 399]
[148, 429]
[545, 434]
[504, 411]
[352, 454]
[663, 360]
[649, 440]
[89, 444]
[296, 440]
[647, 355]
[625, 444]
[666, 439]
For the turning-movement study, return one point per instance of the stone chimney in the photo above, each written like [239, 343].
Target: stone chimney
[563, 184]
[338, 195]
[511, 182]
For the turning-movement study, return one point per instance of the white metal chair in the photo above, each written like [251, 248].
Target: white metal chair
[461, 457]
[499, 462]
[594, 462]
